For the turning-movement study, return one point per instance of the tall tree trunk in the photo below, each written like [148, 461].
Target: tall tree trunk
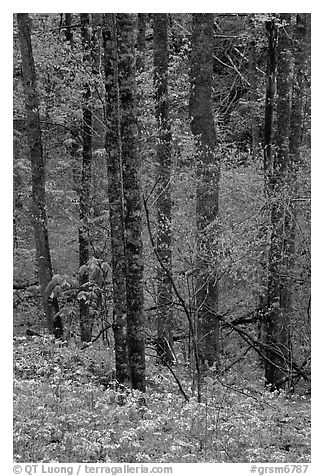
[270, 98]
[140, 63]
[98, 129]
[96, 55]
[277, 325]
[75, 127]
[301, 54]
[115, 194]
[253, 96]
[85, 186]
[34, 137]
[208, 174]
[302, 38]
[163, 154]
[271, 31]
[141, 31]
[68, 29]
[292, 156]
[132, 194]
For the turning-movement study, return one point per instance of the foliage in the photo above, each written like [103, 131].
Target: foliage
[93, 290]
[67, 406]
[62, 413]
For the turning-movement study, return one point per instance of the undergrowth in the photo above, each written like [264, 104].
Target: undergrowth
[63, 413]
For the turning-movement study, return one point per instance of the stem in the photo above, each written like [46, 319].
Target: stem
[180, 298]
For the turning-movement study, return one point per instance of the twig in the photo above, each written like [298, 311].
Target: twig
[238, 72]
[58, 124]
[257, 345]
[236, 360]
[96, 338]
[164, 362]
[180, 298]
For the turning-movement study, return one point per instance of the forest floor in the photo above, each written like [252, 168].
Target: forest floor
[64, 413]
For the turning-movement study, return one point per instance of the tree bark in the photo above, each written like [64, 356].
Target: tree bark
[302, 38]
[289, 141]
[270, 98]
[75, 126]
[34, 137]
[163, 155]
[277, 322]
[115, 195]
[253, 96]
[133, 204]
[141, 31]
[271, 31]
[208, 174]
[68, 30]
[96, 55]
[85, 185]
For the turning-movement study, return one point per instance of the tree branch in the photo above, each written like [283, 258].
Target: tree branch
[96, 338]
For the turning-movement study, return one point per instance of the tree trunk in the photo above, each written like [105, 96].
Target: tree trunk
[75, 127]
[302, 37]
[163, 154]
[253, 96]
[34, 137]
[291, 153]
[208, 173]
[270, 97]
[271, 31]
[115, 194]
[85, 185]
[96, 54]
[68, 29]
[141, 31]
[277, 323]
[132, 194]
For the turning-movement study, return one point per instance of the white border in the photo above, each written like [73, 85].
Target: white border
[317, 185]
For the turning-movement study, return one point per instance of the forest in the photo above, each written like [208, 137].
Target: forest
[161, 237]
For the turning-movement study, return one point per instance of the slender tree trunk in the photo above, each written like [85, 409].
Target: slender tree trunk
[163, 153]
[253, 90]
[141, 31]
[34, 136]
[68, 29]
[75, 143]
[301, 53]
[295, 117]
[302, 37]
[208, 173]
[98, 132]
[96, 56]
[270, 98]
[140, 63]
[85, 186]
[271, 31]
[115, 194]
[132, 194]
[284, 84]
[277, 324]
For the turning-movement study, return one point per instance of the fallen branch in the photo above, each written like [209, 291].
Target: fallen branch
[25, 286]
[31, 332]
[259, 347]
